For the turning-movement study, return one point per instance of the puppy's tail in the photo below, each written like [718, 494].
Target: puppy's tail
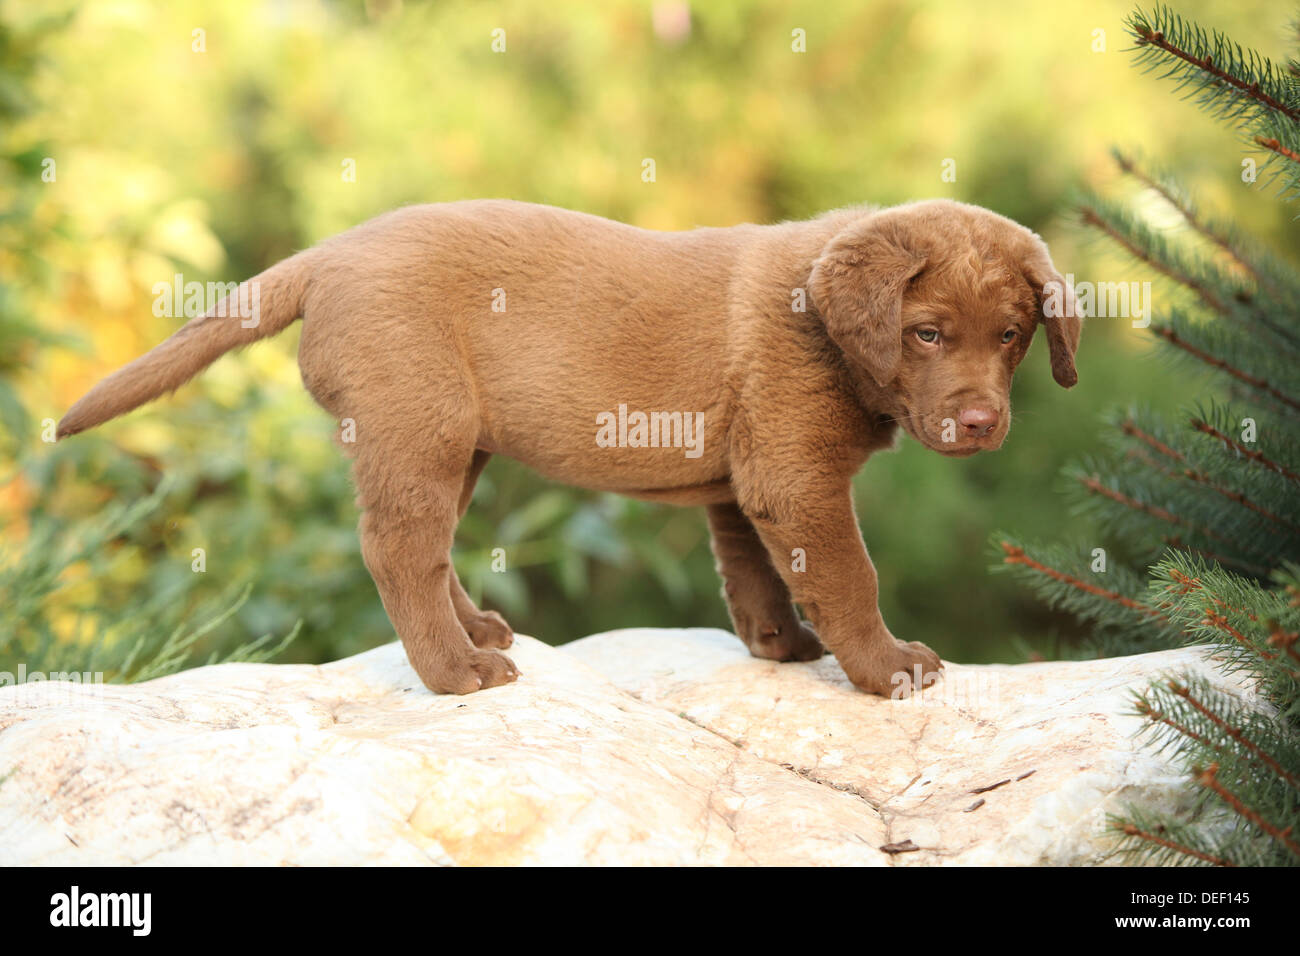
[258, 308]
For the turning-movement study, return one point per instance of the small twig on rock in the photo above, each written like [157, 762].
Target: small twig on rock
[907, 846]
[992, 786]
[974, 806]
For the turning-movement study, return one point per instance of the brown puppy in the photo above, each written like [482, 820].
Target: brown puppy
[751, 370]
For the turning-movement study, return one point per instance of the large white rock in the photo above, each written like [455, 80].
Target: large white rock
[996, 764]
[634, 747]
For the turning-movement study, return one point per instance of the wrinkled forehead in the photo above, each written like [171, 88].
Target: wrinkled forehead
[971, 281]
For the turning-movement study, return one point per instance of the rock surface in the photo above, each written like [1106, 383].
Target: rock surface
[995, 765]
[633, 747]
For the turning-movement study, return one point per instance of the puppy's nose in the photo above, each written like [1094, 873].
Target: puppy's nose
[978, 422]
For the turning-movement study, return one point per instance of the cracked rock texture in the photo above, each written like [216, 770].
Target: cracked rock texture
[634, 747]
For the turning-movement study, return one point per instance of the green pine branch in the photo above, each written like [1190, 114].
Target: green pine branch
[1206, 478]
[1234, 84]
[1241, 617]
[1224, 292]
[1130, 502]
[1211, 725]
[1244, 757]
[1142, 242]
[1276, 284]
[1203, 834]
[1275, 449]
[1249, 361]
[1112, 601]
[1240, 87]
[1211, 496]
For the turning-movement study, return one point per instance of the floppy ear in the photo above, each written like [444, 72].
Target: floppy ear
[857, 287]
[1058, 314]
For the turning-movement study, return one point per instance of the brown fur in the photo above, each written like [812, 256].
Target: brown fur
[400, 336]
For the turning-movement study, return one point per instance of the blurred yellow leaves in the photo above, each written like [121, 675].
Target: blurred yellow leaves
[181, 231]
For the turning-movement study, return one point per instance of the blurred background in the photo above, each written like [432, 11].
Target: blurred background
[215, 153]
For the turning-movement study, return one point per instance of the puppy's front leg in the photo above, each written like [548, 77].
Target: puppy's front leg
[757, 598]
[811, 533]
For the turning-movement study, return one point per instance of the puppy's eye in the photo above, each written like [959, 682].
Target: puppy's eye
[1009, 336]
[928, 335]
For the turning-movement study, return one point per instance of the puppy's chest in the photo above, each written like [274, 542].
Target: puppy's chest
[880, 433]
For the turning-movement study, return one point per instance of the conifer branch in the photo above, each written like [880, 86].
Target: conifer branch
[1220, 623]
[1094, 484]
[1236, 733]
[1277, 636]
[1178, 544]
[1185, 210]
[1238, 86]
[1130, 428]
[1188, 585]
[1167, 484]
[1219, 72]
[1258, 457]
[1271, 143]
[1016, 555]
[1201, 478]
[1172, 337]
[1151, 249]
[1146, 709]
[1091, 217]
[1150, 461]
[1286, 640]
[1132, 830]
[1209, 778]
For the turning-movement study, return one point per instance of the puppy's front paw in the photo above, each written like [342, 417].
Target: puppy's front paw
[479, 670]
[902, 668]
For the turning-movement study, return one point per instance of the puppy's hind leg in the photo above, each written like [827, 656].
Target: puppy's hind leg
[409, 484]
[485, 628]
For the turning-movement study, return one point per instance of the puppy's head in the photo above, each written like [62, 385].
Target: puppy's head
[937, 303]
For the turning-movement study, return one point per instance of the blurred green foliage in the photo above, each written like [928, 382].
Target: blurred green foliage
[216, 162]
